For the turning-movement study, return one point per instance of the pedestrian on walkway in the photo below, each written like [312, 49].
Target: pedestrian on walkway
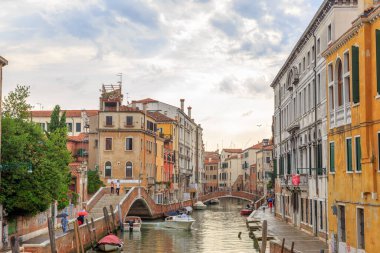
[270, 204]
[118, 187]
[64, 223]
[112, 187]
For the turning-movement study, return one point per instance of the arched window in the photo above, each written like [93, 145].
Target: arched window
[108, 169]
[340, 82]
[128, 170]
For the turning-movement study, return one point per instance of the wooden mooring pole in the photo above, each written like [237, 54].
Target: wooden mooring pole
[264, 237]
[107, 221]
[15, 247]
[292, 249]
[283, 245]
[52, 235]
[80, 248]
[113, 218]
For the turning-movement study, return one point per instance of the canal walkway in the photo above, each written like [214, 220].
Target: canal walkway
[303, 242]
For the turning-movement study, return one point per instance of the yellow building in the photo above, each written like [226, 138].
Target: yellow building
[353, 87]
[124, 145]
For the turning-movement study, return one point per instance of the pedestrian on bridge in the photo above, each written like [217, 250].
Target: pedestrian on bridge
[112, 187]
[118, 187]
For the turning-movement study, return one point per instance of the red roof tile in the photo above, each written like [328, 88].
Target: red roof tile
[69, 113]
[230, 150]
[159, 117]
[77, 138]
[144, 101]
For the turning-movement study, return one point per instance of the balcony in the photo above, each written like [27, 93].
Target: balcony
[293, 127]
[340, 116]
[151, 181]
[289, 183]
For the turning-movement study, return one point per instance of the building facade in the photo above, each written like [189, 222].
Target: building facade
[353, 74]
[230, 166]
[264, 166]
[124, 144]
[211, 165]
[188, 147]
[300, 119]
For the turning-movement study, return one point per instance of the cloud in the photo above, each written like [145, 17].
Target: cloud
[228, 26]
[251, 87]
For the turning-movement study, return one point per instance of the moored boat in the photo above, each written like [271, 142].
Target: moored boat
[132, 224]
[246, 211]
[199, 206]
[110, 243]
[181, 221]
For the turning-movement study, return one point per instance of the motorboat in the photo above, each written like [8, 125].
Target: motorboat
[246, 211]
[214, 201]
[181, 221]
[186, 210]
[132, 224]
[199, 206]
[110, 243]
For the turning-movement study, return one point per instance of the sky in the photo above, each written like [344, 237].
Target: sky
[219, 55]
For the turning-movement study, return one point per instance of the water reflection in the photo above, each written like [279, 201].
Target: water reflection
[216, 230]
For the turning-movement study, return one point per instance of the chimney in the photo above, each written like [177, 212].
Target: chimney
[144, 108]
[182, 104]
[189, 111]
[134, 106]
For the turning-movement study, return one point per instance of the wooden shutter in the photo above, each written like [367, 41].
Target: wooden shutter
[378, 60]
[355, 74]
[358, 154]
[332, 157]
[349, 154]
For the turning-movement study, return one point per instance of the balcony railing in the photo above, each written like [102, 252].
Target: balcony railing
[311, 171]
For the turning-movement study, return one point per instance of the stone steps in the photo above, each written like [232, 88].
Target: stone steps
[105, 201]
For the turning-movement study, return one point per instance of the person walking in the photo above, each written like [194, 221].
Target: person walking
[118, 187]
[64, 223]
[112, 187]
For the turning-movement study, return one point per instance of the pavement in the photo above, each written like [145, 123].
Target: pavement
[303, 242]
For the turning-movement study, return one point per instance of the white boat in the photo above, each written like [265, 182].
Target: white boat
[132, 224]
[181, 221]
[199, 206]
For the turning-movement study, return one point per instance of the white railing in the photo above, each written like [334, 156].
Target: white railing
[332, 119]
[348, 113]
[340, 116]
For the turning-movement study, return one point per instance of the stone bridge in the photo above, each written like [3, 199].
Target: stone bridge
[229, 194]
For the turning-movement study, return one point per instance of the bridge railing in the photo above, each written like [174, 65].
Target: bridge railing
[96, 197]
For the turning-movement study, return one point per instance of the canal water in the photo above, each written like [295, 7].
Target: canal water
[216, 230]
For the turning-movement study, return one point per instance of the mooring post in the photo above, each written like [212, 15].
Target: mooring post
[93, 229]
[51, 235]
[120, 217]
[15, 247]
[89, 231]
[264, 237]
[113, 218]
[106, 219]
[283, 245]
[292, 248]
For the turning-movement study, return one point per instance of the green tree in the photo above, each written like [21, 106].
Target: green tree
[15, 105]
[93, 181]
[57, 121]
[23, 142]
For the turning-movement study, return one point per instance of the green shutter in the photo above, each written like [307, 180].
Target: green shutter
[349, 154]
[355, 74]
[275, 167]
[358, 154]
[332, 157]
[378, 60]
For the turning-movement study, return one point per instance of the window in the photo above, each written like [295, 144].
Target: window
[108, 169]
[308, 58]
[302, 214]
[42, 125]
[129, 121]
[355, 75]
[96, 143]
[299, 68]
[303, 64]
[358, 154]
[318, 46]
[69, 127]
[340, 82]
[151, 126]
[349, 154]
[321, 215]
[311, 211]
[329, 33]
[108, 143]
[108, 120]
[318, 88]
[307, 210]
[128, 170]
[346, 76]
[312, 53]
[341, 224]
[332, 157]
[267, 159]
[360, 228]
[129, 143]
[78, 127]
[378, 60]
